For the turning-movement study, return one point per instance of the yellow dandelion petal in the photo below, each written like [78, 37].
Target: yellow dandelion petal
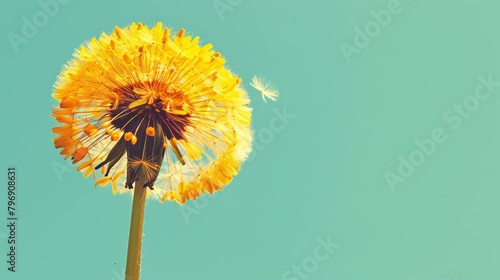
[79, 154]
[68, 102]
[90, 130]
[88, 171]
[102, 181]
[114, 179]
[137, 103]
[84, 165]
[114, 189]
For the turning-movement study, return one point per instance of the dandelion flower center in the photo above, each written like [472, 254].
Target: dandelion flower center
[135, 113]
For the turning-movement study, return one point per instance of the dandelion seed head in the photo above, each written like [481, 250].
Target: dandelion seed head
[265, 88]
[146, 103]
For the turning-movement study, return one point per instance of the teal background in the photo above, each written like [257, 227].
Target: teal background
[322, 175]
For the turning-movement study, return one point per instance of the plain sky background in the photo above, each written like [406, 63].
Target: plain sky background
[321, 175]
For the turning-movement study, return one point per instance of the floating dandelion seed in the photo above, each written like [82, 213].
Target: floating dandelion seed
[153, 114]
[139, 103]
[265, 90]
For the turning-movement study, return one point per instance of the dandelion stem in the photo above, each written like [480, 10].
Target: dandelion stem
[133, 269]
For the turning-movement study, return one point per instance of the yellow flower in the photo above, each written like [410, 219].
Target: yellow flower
[265, 90]
[143, 103]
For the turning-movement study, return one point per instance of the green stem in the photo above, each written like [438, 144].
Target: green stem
[133, 269]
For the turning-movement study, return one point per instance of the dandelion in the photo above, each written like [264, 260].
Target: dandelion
[153, 114]
[265, 90]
